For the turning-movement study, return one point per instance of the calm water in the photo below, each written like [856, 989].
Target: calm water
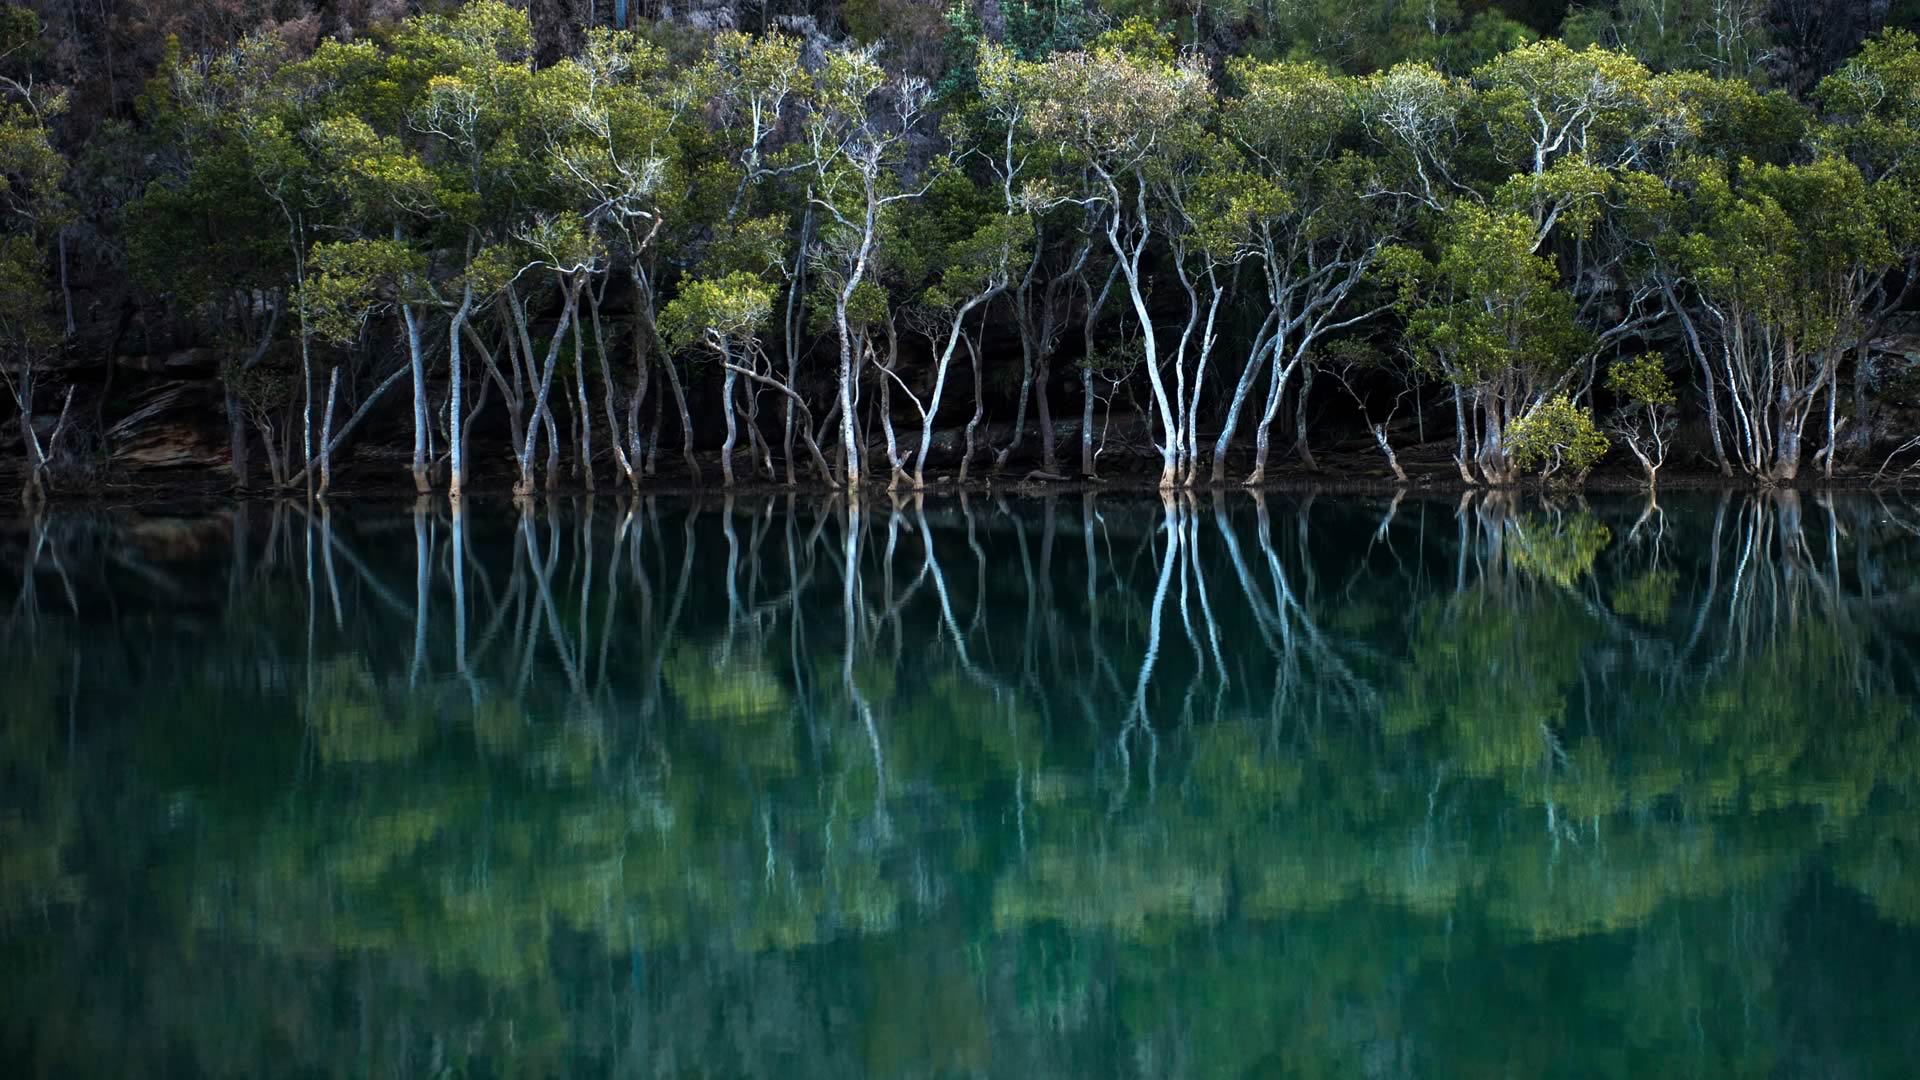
[1023, 788]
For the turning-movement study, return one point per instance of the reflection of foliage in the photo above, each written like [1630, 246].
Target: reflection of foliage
[1559, 549]
[352, 721]
[1489, 676]
[1647, 597]
[1884, 865]
[1506, 802]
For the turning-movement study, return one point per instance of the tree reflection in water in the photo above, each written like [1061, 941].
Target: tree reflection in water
[1083, 785]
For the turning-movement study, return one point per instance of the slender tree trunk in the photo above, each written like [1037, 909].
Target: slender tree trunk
[1700, 357]
[543, 379]
[1263, 433]
[795, 322]
[1086, 421]
[621, 458]
[686, 419]
[979, 410]
[848, 448]
[1135, 291]
[582, 412]
[942, 364]
[1300, 419]
[1229, 424]
[1027, 348]
[417, 364]
[306, 399]
[1049, 453]
[456, 418]
[326, 433]
[236, 439]
[726, 409]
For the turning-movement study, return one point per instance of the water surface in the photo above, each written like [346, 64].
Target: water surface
[1064, 787]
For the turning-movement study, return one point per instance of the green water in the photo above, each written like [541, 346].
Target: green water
[1330, 787]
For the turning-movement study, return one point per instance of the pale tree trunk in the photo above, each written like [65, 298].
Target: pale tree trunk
[979, 409]
[456, 419]
[1130, 267]
[1023, 320]
[1094, 303]
[686, 418]
[894, 461]
[306, 398]
[726, 409]
[417, 364]
[1043, 415]
[1086, 422]
[1386, 450]
[955, 332]
[1300, 420]
[1461, 433]
[621, 458]
[543, 379]
[326, 433]
[1692, 334]
[582, 413]
[794, 323]
[848, 447]
[1263, 433]
[1229, 425]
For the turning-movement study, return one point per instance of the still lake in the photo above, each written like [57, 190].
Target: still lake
[1075, 786]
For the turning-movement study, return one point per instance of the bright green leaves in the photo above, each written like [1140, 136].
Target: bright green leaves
[1781, 246]
[1872, 107]
[382, 180]
[1644, 417]
[1641, 381]
[723, 313]
[1117, 108]
[1556, 436]
[1489, 308]
[1545, 101]
[1289, 116]
[351, 280]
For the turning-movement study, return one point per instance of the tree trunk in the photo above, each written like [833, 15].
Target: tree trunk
[236, 440]
[848, 448]
[582, 413]
[979, 409]
[686, 419]
[1086, 422]
[326, 433]
[1049, 457]
[456, 418]
[726, 408]
[417, 364]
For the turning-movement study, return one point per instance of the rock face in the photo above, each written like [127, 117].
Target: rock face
[167, 427]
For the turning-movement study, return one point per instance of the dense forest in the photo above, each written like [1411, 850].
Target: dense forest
[881, 240]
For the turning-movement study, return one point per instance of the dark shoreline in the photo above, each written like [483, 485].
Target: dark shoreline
[200, 488]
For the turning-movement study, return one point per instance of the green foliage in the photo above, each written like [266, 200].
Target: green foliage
[1641, 381]
[1489, 308]
[353, 279]
[31, 207]
[723, 314]
[1556, 435]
